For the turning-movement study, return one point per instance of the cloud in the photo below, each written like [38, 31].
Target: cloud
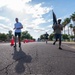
[50, 20]
[37, 10]
[38, 21]
[5, 27]
[26, 1]
[4, 18]
[30, 15]
[16, 5]
[49, 26]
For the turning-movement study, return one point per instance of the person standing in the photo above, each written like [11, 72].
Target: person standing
[57, 30]
[18, 26]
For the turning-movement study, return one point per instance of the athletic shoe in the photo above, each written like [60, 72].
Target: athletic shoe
[60, 48]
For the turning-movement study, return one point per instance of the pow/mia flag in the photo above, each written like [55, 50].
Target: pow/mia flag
[54, 18]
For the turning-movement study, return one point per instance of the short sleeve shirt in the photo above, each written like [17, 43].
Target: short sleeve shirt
[18, 25]
[46, 36]
[57, 30]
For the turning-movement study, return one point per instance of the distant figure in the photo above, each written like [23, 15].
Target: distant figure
[18, 26]
[57, 30]
[46, 37]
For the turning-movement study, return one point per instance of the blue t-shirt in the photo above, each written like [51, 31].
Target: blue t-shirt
[18, 25]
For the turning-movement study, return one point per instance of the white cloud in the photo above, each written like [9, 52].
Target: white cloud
[38, 21]
[37, 10]
[4, 18]
[34, 24]
[5, 27]
[31, 16]
[2, 3]
[16, 5]
[49, 26]
[26, 1]
[50, 20]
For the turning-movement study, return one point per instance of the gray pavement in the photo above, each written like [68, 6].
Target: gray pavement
[37, 58]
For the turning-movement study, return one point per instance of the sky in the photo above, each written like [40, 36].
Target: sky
[35, 15]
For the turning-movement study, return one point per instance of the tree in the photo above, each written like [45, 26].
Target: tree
[73, 16]
[71, 26]
[64, 24]
[73, 19]
[72, 37]
[74, 29]
[42, 36]
[26, 35]
[3, 37]
[51, 36]
[65, 37]
[10, 34]
[67, 21]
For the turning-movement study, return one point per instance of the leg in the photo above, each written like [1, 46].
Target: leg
[55, 41]
[56, 38]
[60, 41]
[15, 39]
[19, 39]
[46, 41]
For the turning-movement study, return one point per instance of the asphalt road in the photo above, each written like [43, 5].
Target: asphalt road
[37, 58]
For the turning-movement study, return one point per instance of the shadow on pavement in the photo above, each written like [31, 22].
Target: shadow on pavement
[21, 58]
[68, 50]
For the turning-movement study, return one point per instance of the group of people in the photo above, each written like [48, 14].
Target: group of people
[57, 30]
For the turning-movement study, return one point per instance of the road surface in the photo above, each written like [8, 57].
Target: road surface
[37, 58]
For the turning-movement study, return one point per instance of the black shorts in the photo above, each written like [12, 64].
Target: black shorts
[18, 34]
[58, 36]
[46, 38]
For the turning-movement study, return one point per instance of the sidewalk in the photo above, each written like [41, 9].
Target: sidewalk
[70, 44]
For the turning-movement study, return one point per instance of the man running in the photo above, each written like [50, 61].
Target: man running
[46, 37]
[57, 30]
[18, 26]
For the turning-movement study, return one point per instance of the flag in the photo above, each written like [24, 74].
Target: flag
[54, 18]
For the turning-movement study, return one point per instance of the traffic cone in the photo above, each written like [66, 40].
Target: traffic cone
[12, 41]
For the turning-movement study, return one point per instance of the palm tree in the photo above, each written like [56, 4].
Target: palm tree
[74, 30]
[71, 26]
[66, 22]
[73, 19]
[73, 16]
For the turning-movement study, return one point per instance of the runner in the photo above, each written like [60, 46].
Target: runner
[18, 26]
[57, 30]
[46, 37]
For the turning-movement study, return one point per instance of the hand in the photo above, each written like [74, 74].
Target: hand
[13, 28]
[59, 26]
[18, 28]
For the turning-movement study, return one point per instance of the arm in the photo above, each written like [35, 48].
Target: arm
[60, 27]
[54, 27]
[14, 27]
[21, 26]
